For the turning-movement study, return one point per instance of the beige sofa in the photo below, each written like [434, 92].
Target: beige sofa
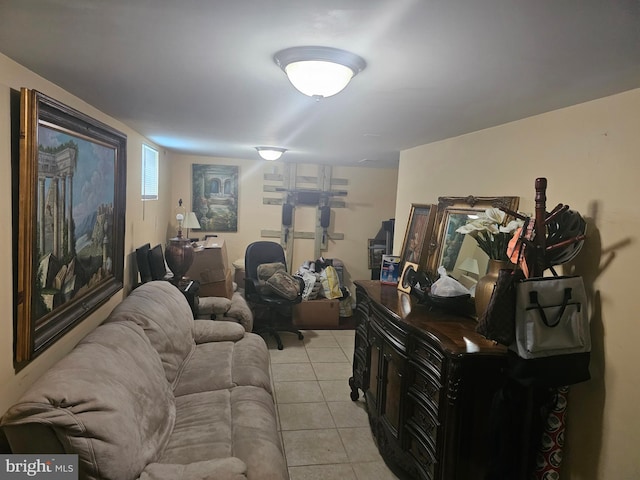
[154, 394]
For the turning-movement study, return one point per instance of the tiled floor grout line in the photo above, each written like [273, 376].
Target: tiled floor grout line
[349, 468]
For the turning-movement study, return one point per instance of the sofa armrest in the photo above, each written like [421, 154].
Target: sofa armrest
[240, 311]
[216, 331]
[230, 468]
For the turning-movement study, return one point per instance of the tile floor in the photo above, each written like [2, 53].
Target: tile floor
[325, 435]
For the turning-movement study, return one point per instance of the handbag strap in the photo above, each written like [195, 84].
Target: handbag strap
[533, 299]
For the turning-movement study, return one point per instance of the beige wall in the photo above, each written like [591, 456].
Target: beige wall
[144, 223]
[590, 155]
[369, 201]
[152, 222]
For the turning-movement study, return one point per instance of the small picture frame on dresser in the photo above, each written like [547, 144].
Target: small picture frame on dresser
[390, 269]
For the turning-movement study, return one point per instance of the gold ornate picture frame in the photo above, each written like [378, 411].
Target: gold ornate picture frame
[71, 218]
[453, 212]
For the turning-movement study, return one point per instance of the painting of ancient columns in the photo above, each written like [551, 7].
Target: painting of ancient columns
[74, 208]
[215, 197]
[68, 185]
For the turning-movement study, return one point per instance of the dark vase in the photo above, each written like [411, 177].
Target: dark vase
[179, 256]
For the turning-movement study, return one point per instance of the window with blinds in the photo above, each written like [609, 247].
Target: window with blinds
[149, 173]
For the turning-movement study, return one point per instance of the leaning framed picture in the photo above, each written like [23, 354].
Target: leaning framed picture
[70, 208]
[377, 248]
[415, 248]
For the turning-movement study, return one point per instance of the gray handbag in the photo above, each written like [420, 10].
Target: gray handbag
[551, 317]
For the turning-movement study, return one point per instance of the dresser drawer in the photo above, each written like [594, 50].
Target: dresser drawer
[425, 386]
[360, 359]
[392, 332]
[422, 453]
[423, 419]
[428, 355]
[361, 331]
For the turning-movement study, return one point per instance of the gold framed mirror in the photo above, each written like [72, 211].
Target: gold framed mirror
[459, 253]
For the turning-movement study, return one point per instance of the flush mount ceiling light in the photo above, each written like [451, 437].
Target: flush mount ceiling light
[270, 153]
[319, 71]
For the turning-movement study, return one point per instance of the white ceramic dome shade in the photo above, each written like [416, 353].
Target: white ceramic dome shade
[317, 78]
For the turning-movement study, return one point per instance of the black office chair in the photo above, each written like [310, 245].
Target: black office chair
[272, 313]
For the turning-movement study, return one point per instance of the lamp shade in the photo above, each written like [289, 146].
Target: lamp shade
[191, 221]
[319, 71]
[270, 153]
[469, 265]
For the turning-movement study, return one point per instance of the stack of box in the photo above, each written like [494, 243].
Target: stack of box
[211, 268]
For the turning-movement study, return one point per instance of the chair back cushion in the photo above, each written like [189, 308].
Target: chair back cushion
[261, 252]
[166, 318]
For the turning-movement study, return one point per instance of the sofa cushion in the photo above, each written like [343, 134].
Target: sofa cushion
[164, 314]
[221, 365]
[239, 422]
[213, 305]
[230, 468]
[107, 400]
[206, 331]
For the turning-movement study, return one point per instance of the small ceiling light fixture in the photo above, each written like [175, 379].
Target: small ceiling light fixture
[270, 153]
[319, 71]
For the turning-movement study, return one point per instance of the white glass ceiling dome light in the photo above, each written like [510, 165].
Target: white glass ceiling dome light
[270, 153]
[319, 71]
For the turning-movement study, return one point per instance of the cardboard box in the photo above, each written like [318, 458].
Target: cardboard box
[223, 288]
[210, 263]
[320, 313]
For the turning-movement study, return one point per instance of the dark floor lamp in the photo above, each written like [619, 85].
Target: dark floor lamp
[179, 252]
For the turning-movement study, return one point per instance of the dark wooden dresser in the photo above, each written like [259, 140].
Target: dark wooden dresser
[428, 380]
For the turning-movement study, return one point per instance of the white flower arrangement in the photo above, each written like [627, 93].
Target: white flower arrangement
[491, 233]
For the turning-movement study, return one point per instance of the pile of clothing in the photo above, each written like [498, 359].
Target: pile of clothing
[321, 280]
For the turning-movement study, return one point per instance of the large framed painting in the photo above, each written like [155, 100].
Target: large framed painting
[71, 209]
[215, 197]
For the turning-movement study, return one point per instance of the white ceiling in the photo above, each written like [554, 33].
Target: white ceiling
[197, 76]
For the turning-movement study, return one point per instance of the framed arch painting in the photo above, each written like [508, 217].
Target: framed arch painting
[215, 197]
